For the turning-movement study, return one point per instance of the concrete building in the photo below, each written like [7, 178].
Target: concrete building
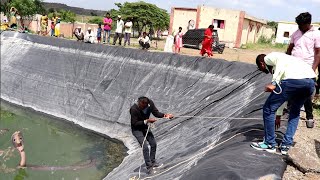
[234, 27]
[285, 31]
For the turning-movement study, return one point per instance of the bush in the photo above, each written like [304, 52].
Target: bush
[264, 40]
[96, 20]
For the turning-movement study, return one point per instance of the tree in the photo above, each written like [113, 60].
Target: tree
[272, 24]
[96, 20]
[143, 14]
[51, 10]
[27, 8]
[93, 14]
[67, 16]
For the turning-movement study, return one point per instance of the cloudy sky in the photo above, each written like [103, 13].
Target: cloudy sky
[277, 10]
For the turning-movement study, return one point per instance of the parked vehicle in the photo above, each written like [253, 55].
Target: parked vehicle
[194, 37]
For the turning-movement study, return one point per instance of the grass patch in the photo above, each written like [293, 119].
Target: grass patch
[265, 44]
[260, 46]
[6, 114]
[84, 19]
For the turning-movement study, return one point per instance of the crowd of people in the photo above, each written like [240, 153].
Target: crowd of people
[123, 29]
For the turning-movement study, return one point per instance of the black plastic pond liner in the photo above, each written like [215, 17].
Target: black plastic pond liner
[95, 85]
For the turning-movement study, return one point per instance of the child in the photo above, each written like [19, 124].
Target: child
[52, 28]
[99, 30]
[57, 28]
[178, 41]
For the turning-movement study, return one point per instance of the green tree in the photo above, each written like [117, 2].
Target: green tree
[67, 16]
[24, 7]
[51, 10]
[272, 24]
[93, 14]
[96, 20]
[27, 8]
[143, 14]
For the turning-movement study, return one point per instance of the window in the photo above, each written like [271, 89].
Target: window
[286, 34]
[218, 23]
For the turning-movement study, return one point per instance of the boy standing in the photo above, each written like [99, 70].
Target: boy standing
[99, 30]
[127, 31]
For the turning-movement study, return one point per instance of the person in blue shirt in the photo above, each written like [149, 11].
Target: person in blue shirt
[99, 30]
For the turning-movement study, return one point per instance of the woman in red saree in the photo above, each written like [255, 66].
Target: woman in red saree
[207, 42]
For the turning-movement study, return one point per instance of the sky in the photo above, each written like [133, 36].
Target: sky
[272, 10]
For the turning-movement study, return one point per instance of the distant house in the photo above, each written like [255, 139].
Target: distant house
[235, 27]
[285, 31]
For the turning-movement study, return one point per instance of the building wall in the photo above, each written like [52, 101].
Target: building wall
[181, 18]
[230, 17]
[245, 30]
[268, 32]
[282, 28]
[289, 27]
[251, 32]
[254, 35]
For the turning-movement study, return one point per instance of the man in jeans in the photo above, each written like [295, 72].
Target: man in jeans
[118, 33]
[107, 21]
[293, 80]
[127, 31]
[305, 44]
[140, 118]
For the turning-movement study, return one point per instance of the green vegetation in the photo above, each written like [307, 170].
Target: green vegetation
[265, 43]
[26, 8]
[6, 114]
[143, 15]
[66, 16]
[272, 24]
[96, 20]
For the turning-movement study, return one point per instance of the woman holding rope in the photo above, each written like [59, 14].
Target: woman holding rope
[140, 119]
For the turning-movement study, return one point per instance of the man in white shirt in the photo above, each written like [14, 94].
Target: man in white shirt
[144, 41]
[89, 37]
[118, 32]
[79, 33]
[127, 31]
[292, 80]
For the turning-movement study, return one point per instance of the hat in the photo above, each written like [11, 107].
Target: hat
[119, 16]
[89, 28]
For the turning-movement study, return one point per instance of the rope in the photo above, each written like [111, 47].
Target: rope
[193, 157]
[181, 116]
[204, 117]
[144, 140]
[280, 91]
[225, 117]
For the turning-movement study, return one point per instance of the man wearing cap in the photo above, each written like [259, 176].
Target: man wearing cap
[140, 119]
[89, 37]
[118, 33]
[79, 33]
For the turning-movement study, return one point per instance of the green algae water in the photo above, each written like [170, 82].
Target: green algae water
[57, 149]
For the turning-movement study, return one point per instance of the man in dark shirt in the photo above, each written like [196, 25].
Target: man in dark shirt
[140, 117]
